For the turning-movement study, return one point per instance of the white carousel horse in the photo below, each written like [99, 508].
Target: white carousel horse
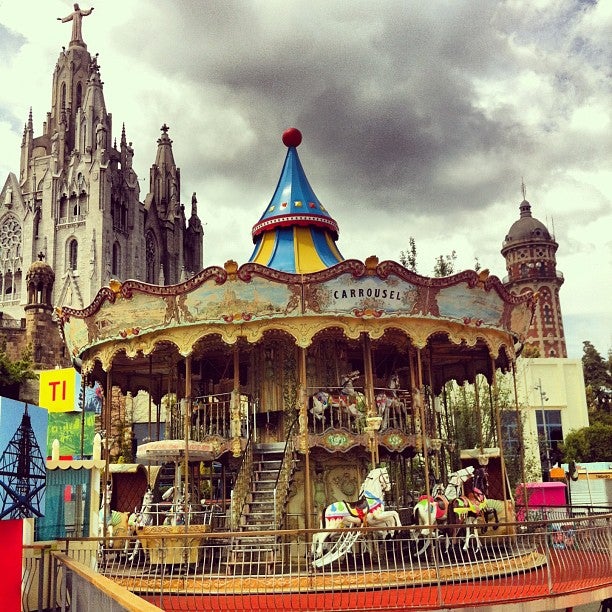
[320, 403]
[176, 514]
[431, 512]
[368, 510]
[141, 518]
[116, 522]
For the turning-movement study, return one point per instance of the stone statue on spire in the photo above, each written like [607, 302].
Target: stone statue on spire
[77, 18]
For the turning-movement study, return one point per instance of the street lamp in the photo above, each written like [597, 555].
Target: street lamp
[544, 398]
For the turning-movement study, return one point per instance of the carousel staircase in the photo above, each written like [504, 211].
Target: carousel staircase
[256, 555]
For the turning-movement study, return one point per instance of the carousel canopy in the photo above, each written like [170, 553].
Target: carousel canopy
[295, 233]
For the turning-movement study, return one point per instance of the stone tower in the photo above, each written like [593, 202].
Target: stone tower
[41, 333]
[76, 199]
[529, 250]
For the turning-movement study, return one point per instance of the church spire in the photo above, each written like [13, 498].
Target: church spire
[165, 177]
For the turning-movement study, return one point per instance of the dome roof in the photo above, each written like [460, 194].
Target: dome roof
[40, 271]
[527, 227]
[295, 233]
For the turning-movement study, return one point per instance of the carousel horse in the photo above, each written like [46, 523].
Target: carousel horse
[388, 401]
[176, 514]
[368, 510]
[116, 522]
[468, 508]
[347, 400]
[141, 518]
[320, 403]
[433, 511]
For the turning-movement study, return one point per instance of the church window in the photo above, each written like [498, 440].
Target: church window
[548, 318]
[79, 95]
[151, 258]
[63, 99]
[116, 265]
[73, 252]
[10, 238]
[63, 207]
[37, 223]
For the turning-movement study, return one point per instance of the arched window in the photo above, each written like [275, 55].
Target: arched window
[116, 265]
[63, 99]
[73, 254]
[79, 95]
[151, 258]
[547, 313]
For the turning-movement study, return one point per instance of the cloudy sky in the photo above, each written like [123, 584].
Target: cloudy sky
[418, 119]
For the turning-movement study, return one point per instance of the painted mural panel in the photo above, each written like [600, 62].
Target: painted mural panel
[23, 434]
[473, 303]
[232, 302]
[237, 301]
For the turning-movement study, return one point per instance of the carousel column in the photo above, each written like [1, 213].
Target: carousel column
[107, 420]
[304, 445]
[373, 421]
[435, 427]
[420, 401]
[521, 450]
[498, 425]
[481, 457]
[235, 421]
[186, 428]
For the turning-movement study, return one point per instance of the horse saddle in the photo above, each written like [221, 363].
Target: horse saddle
[358, 508]
[440, 504]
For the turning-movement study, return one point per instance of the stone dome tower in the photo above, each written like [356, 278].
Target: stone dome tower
[42, 332]
[529, 250]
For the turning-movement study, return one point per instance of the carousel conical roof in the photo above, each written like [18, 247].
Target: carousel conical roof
[295, 233]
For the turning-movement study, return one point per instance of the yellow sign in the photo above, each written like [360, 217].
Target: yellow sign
[59, 390]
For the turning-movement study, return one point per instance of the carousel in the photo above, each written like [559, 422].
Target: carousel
[300, 390]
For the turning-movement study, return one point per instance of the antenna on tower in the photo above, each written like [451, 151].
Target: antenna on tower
[552, 220]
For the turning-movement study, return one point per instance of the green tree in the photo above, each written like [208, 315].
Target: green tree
[593, 443]
[14, 373]
[597, 378]
[445, 265]
[408, 258]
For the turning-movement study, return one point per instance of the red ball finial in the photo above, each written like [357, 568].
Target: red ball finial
[292, 137]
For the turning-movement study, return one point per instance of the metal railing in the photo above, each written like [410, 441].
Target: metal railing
[211, 416]
[283, 480]
[566, 560]
[242, 485]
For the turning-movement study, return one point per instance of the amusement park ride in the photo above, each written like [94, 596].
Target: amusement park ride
[303, 391]
[309, 384]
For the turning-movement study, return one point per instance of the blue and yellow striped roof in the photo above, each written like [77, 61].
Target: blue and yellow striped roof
[295, 233]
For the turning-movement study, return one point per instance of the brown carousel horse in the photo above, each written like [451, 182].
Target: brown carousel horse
[466, 509]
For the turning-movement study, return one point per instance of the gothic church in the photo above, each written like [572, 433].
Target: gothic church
[76, 206]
